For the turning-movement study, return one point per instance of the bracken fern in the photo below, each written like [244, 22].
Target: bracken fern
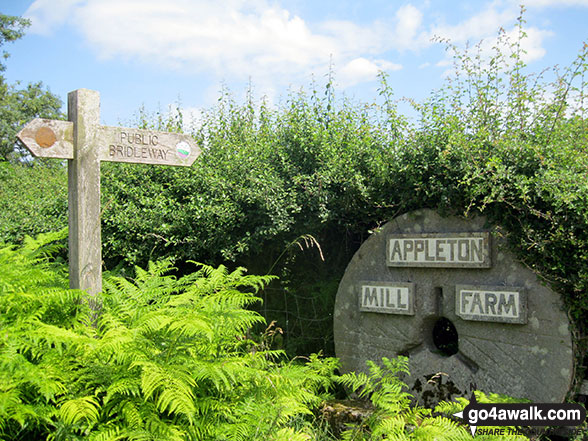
[393, 417]
[167, 359]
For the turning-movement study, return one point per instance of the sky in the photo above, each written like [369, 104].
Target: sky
[157, 53]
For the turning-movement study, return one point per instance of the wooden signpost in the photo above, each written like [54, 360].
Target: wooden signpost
[85, 143]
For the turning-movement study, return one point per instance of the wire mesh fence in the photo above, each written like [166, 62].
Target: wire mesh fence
[305, 318]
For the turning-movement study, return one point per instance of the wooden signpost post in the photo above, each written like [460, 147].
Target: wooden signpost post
[85, 143]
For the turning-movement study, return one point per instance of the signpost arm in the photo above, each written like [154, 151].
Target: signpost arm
[85, 254]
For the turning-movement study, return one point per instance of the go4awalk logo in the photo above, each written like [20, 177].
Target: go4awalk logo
[521, 414]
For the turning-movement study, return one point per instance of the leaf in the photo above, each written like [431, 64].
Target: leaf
[78, 409]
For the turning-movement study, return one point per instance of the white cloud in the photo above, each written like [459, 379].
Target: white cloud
[532, 45]
[402, 32]
[558, 3]
[477, 27]
[409, 21]
[235, 36]
[361, 69]
[47, 15]
[260, 38]
[230, 38]
[481, 31]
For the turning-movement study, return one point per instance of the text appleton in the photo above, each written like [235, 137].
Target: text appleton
[437, 250]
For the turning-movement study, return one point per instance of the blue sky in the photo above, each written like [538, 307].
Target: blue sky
[153, 53]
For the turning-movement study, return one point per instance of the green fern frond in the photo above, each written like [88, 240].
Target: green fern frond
[79, 409]
[211, 279]
[107, 434]
[481, 397]
[152, 322]
[441, 429]
[164, 430]
[289, 434]
[58, 337]
[355, 381]
[190, 324]
[131, 415]
[221, 375]
[451, 407]
[171, 387]
[390, 428]
[9, 400]
[44, 245]
[127, 387]
[391, 398]
[168, 358]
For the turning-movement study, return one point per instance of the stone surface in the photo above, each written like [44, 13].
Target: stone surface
[532, 359]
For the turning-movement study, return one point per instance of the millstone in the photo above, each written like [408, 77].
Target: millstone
[446, 293]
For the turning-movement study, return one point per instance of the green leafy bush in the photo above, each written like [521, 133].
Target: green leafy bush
[34, 197]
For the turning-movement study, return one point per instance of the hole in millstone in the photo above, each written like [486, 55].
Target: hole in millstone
[445, 337]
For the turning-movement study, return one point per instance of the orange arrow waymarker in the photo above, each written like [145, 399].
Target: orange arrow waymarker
[48, 138]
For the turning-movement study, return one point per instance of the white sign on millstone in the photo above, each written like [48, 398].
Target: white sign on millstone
[85, 143]
[456, 250]
[387, 297]
[491, 303]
